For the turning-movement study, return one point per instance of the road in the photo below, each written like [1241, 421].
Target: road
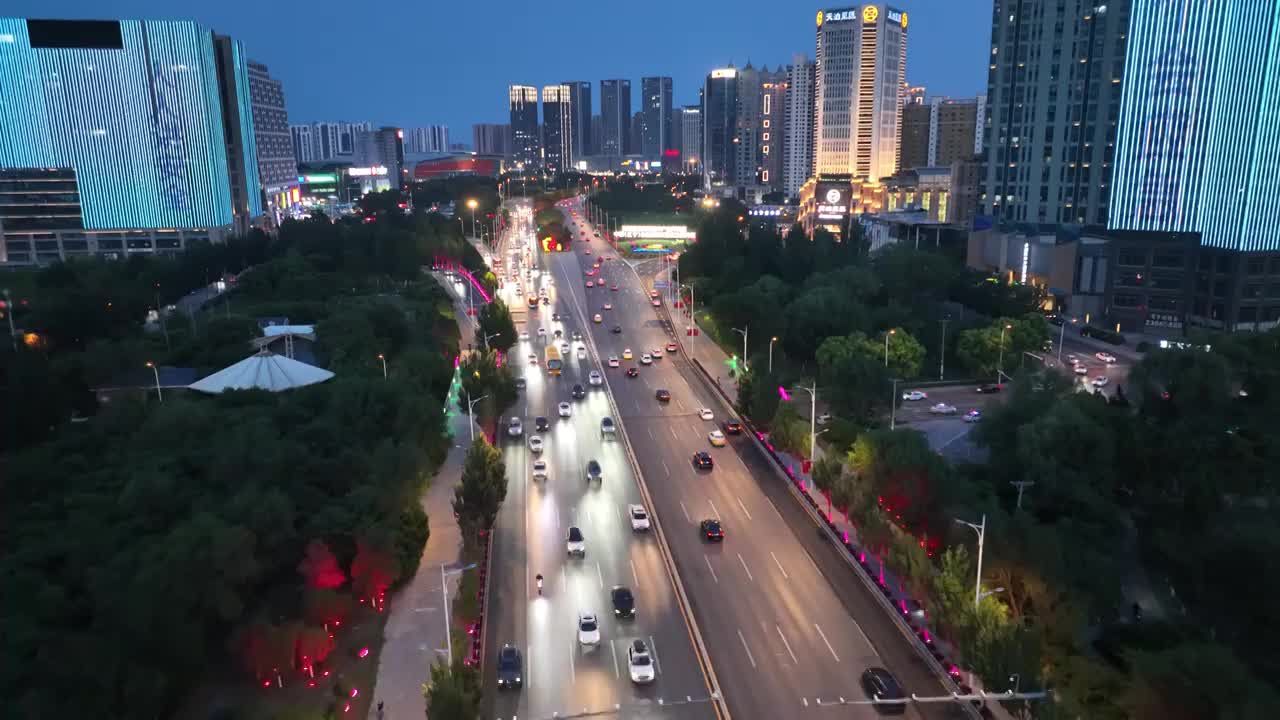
[788, 626]
[560, 675]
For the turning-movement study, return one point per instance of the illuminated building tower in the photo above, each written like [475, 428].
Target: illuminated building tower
[615, 118]
[557, 128]
[719, 126]
[526, 145]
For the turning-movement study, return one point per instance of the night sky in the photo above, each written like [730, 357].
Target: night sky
[432, 62]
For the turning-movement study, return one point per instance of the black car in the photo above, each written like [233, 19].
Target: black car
[732, 427]
[594, 473]
[617, 329]
[540, 424]
[624, 603]
[555, 317]
[878, 684]
[989, 388]
[546, 300]
[702, 460]
[633, 372]
[579, 392]
[711, 530]
[510, 668]
[663, 395]
[577, 336]
[520, 383]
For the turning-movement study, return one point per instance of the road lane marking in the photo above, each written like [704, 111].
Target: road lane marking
[826, 642]
[787, 645]
[673, 433]
[564, 582]
[785, 576]
[573, 652]
[713, 570]
[651, 437]
[528, 652]
[744, 567]
[744, 647]
[805, 701]
[635, 577]
[653, 650]
[744, 508]
[865, 639]
[600, 575]
[714, 511]
[613, 650]
[775, 509]
[685, 510]
[665, 469]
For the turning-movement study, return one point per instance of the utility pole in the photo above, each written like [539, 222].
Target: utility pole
[1021, 485]
[942, 349]
[893, 406]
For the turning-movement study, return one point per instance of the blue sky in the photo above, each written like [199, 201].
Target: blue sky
[430, 62]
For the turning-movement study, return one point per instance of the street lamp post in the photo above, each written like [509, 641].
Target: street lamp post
[886, 346]
[981, 529]
[383, 358]
[743, 332]
[8, 311]
[486, 339]
[448, 621]
[1000, 362]
[893, 405]
[813, 420]
[156, 372]
[1062, 336]
[942, 349]
[772, 340]
[471, 203]
[471, 412]
[693, 321]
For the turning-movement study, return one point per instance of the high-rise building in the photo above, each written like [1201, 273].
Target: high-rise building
[383, 147]
[277, 167]
[691, 137]
[634, 140]
[615, 117]
[491, 139]
[940, 131]
[526, 147]
[656, 135]
[427, 139]
[746, 148]
[771, 127]
[913, 146]
[580, 101]
[302, 143]
[557, 128]
[797, 165]
[859, 87]
[167, 156]
[719, 125]
[1053, 94]
[597, 134]
[326, 141]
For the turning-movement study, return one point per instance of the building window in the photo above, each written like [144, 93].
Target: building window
[1125, 301]
[1257, 266]
[1132, 258]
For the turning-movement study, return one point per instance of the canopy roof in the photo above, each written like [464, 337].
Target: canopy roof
[272, 331]
[263, 371]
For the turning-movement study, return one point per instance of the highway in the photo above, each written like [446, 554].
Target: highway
[560, 676]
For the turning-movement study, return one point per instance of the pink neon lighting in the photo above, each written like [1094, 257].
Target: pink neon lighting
[782, 393]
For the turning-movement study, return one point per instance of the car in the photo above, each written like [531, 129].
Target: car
[1100, 381]
[989, 388]
[640, 663]
[582, 353]
[607, 427]
[533, 358]
[510, 668]
[626, 353]
[823, 419]
[590, 284]
[540, 424]
[587, 251]
[655, 302]
[614, 288]
[656, 352]
[943, 409]
[915, 395]
[663, 395]
[614, 361]
[702, 460]
[595, 378]
[577, 336]
[524, 334]
[672, 347]
[588, 629]
[711, 530]
[1080, 370]
[639, 517]
[578, 392]
[575, 543]
[515, 428]
[624, 602]
[539, 469]
[564, 349]
[542, 332]
[973, 416]
[555, 317]
[594, 473]
[1105, 357]
[564, 409]
[617, 330]
[558, 333]
[520, 383]
[546, 300]
[732, 427]
[879, 684]
[716, 438]
[633, 372]
[597, 318]
[646, 359]
[1071, 358]
[535, 444]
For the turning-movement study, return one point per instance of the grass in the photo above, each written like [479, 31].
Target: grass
[466, 603]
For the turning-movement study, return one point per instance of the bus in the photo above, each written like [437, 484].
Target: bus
[554, 364]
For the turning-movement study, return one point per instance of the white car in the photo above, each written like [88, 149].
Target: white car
[1105, 357]
[542, 332]
[535, 444]
[539, 469]
[575, 543]
[1081, 370]
[597, 318]
[595, 378]
[564, 348]
[1100, 381]
[582, 353]
[716, 438]
[524, 334]
[588, 629]
[608, 306]
[564, 409]
[640, 663]
[824, 418]
[706, 414]
[639, 517]
[515, 428]
[915, 395]
[943, 409]
[614, 361]
[646, 359]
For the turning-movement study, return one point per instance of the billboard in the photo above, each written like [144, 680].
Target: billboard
[832, 201]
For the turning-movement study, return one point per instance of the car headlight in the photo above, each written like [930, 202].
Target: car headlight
[517, 678]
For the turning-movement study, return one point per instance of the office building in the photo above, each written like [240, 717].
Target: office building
[383, 148]
[597, 133]
[655, 133]
[428, 139]
[719, 127]
[746, 148]
[526, 146]
[914, 95]
[940, 131]
[168, 158]
[580, 101]
[913, 146]
[1053, 94]
[634, 141]
[326, 141]
[557, 128]
[771, 127]
[691, 138]
[615, 117]
[859, 88]
[277, 165]
[491, 139]
[797, 141]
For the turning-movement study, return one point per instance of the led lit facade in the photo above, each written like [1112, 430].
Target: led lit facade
[526, 143]
[557, 128]
[1198, 146]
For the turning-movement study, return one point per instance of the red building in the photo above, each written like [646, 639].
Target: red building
[457, 165]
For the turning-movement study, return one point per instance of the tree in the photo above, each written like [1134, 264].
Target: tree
[1197, 681]
[452, 694]
[855, 383]
[482, 489]
[494, 320]
[483, 377]
[906, 354]
[788, 432]
[826, 473]
[320, 567]
[1001, 344]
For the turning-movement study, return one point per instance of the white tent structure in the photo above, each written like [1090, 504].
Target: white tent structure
[263, 371]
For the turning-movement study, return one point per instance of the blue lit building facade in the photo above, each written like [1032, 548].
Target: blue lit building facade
[121, 137]
[1195, 198]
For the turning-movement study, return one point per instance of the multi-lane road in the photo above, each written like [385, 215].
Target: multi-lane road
[787, 626]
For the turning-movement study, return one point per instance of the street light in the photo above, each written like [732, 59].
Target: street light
[486, 339]
[1000, 362]
[383, 358]
[156, 371]
[743, 333]
[772, 340]
[471, 412]
[813, 420]
[886, 346]
[981, 529]
[1062, 336]
[693, 319]
[448, 622]
[893, 405]
[471, 203]
[942, 352]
